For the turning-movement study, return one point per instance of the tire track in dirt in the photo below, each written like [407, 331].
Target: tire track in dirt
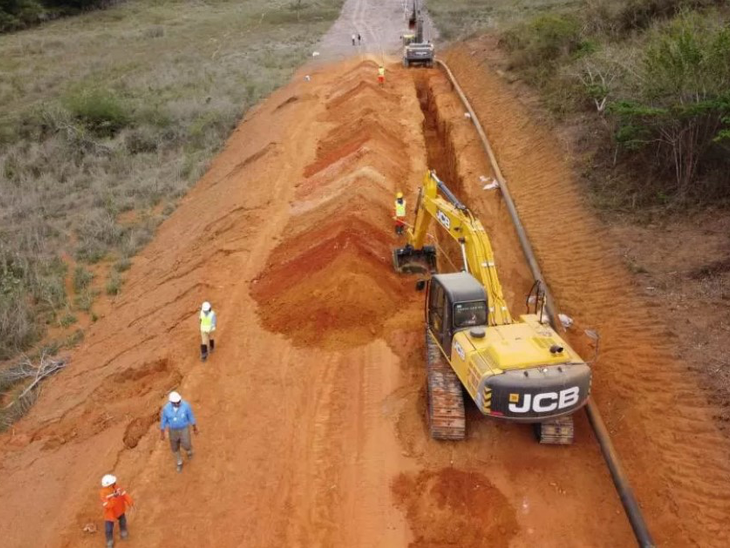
[660, 420]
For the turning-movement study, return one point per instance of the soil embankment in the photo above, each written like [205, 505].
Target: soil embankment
[660, 419]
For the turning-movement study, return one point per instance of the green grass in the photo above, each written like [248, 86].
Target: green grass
[459, 19]
[121, 110]
[114, 284]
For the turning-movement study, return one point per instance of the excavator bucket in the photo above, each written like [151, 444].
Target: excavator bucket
[408, 260]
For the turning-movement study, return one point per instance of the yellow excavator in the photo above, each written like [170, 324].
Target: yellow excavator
[517, 370]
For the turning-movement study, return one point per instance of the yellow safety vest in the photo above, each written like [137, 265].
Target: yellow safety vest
[206, 321]
[400, 208]
[381, 72]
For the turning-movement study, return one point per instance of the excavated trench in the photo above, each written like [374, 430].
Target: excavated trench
[441, 157]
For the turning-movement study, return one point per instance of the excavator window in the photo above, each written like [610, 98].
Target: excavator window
[436, 308]
[470, 314]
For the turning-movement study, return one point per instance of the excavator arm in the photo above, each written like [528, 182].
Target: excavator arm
[437, 202]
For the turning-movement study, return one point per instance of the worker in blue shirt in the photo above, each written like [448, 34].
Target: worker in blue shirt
[177, 416]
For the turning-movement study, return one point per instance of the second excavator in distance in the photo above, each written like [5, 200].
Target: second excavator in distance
[416, 49]
[514, 369]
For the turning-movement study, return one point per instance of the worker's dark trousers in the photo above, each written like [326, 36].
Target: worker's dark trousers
[109, 527]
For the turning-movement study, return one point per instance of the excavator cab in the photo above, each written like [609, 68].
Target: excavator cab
[456, 302]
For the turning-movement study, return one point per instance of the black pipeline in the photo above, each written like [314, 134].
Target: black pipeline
[620, 481]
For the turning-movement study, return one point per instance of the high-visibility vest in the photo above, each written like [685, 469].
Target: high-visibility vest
[381, 71]
[206, 321]
[400, 208]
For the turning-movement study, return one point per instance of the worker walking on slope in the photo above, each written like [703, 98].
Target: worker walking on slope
[115, 501]
[207, 328]
[381, 75]
[177, 416]
[400, 213]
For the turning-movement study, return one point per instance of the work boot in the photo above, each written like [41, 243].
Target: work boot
[109, 544]
[190, 455]
[203, 352]
[179, 466]
[212, 345]
[124, 534]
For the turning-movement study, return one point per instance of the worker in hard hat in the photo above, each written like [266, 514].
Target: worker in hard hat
[400, 213]
[177, 417]
[381, 75]
[115, 501]
[207, 328]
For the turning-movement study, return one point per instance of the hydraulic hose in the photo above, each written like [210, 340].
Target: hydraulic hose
[620, 481]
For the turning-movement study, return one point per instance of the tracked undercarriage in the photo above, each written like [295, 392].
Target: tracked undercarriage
[446, 417]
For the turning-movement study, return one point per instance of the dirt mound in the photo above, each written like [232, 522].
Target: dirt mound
[363, 180]
[331, 286]
[450, 507]
[371, 128]
[330, 282]
[361, 91]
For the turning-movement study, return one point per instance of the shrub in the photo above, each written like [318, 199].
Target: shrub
[102, 112]
[18, 14]
[543, 40]
[85, 300]
[97, 234]
[122, 265]
[641, 14]
[82, 279]
[68, 320]
[114, 284]
[17, 327]
[681, 108]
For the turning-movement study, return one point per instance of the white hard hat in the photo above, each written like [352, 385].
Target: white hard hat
[174, 397]
[206, 306]
[108, 480]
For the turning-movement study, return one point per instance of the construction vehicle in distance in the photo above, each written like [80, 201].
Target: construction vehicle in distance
[517, 370]
[416, 50]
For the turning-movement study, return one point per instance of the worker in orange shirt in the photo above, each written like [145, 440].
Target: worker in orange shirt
[381, 75]
[115, 501]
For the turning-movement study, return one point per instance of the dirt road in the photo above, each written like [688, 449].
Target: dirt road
[380, 24]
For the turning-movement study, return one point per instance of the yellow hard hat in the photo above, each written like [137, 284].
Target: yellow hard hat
[399, 195]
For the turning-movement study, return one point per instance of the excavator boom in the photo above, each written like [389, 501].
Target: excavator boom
[436, 201]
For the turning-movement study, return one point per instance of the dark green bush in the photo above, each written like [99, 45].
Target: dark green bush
[641, 14]
[20, 14]
[101, 111]
[543, 41]
[679, 116]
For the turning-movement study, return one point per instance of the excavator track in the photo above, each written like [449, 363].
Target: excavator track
[446, 419]
[556, 432]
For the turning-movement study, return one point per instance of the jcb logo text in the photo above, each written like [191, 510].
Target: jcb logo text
[546, 402]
